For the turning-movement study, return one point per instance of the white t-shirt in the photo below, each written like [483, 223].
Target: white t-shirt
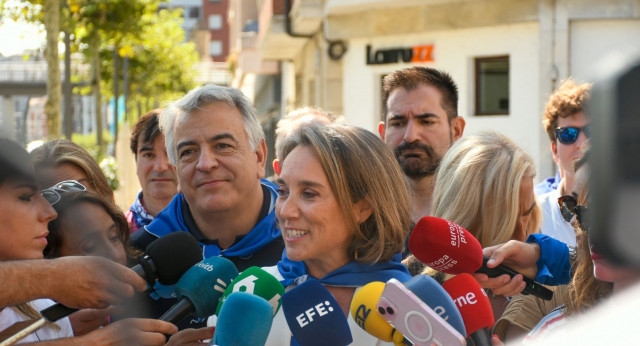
[9, 316]
[553, 224]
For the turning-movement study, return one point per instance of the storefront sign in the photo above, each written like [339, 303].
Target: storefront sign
[413, 54]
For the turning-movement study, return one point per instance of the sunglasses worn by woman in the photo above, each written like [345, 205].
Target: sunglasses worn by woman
[52, 194]
[569, 207]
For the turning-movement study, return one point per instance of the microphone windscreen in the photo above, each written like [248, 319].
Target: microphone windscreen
[432, 294]
[258, 282]
[472, 302]
[173, 254]
[204, 283]
[363, 310]
[445, 246]
[314, 316]
[245, 319]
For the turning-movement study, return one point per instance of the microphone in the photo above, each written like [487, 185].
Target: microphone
[449, 248]
[432, 294]
[200, 289]
[245, 319]
[166, 259]
[314, 316]
[474, 306]
[365, 302]
[418, 322]
[258, 282]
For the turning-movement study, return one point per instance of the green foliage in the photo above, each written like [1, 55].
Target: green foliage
[88, 142]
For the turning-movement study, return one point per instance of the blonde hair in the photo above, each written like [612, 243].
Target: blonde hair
[478, 187]
[60, 151]
[360, 166]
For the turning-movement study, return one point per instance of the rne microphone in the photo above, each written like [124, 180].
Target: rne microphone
[363, 311]
[447, 247]
[474, 306]
[166, 259]
[258, 282]
[314, 316]
[200, 288]
[432, 294]
[245, 319]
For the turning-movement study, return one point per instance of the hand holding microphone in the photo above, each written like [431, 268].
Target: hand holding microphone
[449, 248]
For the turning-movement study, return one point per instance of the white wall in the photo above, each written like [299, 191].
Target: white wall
[595, 40]
[454, 52]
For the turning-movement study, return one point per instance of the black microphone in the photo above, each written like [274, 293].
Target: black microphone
[166, 259]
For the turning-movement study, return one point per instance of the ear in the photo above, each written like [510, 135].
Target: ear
[381, 128]
[261, 158]
[175, 172]
[362, 210]
[457, 127]
[276, 166]
[554, 151]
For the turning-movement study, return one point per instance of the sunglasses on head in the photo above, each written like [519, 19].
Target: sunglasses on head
[52, 194]
[569, 206]
[569, 135]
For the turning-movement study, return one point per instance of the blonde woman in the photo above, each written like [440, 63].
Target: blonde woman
[485, 184]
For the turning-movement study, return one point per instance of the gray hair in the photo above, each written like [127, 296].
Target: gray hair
[199, 97]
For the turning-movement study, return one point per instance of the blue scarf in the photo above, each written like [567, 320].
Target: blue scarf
[139, 215]
[352, 274]
[170, 219]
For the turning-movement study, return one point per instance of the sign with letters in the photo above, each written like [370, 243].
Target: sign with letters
[415, 54]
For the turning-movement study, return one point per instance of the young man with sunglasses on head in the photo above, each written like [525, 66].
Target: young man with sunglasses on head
[568, 128]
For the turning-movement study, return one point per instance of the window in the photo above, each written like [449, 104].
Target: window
[492, 85]
[215, 22]
[194, 12]
[215, 48]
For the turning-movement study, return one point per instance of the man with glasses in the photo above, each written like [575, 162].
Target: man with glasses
[568, 128]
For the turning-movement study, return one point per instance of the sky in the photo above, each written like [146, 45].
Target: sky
[15, 37]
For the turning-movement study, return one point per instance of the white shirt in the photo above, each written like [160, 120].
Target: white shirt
[553, 224]
[9, 316]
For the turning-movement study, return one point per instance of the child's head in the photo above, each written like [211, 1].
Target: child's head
[87, 225]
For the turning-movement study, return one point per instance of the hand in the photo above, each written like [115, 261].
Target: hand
[87, 320]
[131, 331]
[502, 285]
[517, 255]
[191, 337]
[495, 341]
[90, 282]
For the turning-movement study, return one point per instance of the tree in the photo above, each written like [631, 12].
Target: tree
[54, 84]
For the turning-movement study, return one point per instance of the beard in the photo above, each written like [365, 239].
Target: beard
[415, 165]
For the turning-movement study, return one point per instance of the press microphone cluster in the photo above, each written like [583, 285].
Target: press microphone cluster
[411, 313]
[449, 248]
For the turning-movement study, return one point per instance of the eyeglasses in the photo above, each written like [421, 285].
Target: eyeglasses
[569, 135]
[52, 194]
[569, 206]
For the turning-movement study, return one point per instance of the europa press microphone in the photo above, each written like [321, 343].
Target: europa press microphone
[314, 316]
[166, 259]
[474, 305]
[200, 288]
[447, 247]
